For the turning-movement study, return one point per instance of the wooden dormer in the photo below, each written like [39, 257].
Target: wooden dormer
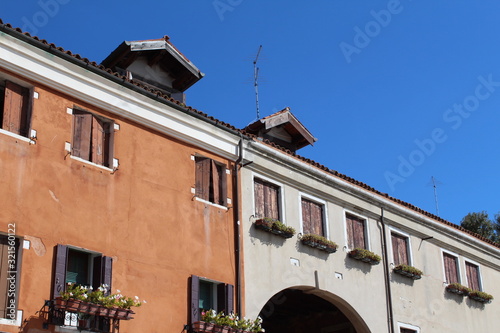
[284, 129]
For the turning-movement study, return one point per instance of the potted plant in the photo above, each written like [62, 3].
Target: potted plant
[74, 296]
[274, 226]
[365, 256]
[211, 321]
[319, 242]
[457, 288]
[408, 271]
[480, 296]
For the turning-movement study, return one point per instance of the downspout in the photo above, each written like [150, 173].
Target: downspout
[237, 225]
[388, 293]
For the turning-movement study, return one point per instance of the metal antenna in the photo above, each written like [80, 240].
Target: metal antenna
[434, 184]
[255, 81]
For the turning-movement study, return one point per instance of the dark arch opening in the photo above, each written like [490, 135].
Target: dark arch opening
[297, 311]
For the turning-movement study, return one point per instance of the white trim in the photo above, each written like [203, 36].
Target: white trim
[92, 163]
[366, 228]
[17, 136]
[325, 212]
[15, 322]
[210, 203]
[408, 244]
[459, 271]
[408, 326]
[481, 285]
[282, 209]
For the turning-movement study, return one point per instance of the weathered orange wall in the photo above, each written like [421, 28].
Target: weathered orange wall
[144, 215]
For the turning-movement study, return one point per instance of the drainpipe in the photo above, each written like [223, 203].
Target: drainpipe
[237, 226]
[388, 294]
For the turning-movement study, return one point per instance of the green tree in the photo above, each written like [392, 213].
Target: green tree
[481, 224]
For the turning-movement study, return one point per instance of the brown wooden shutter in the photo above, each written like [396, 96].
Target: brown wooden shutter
[450, 268]
[16, 105]
[98, 136]
[82, 130]
[272, 201]
[59, 282]
[223, 186]
[202, 178]
[472, 272]
[317, 218]
[399, 249]
[359, 232]
[259, 199]
[195, 298]
[306, 217]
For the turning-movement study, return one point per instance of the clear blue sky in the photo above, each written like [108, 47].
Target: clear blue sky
[396, 92]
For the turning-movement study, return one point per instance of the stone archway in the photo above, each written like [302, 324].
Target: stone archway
[299, 310]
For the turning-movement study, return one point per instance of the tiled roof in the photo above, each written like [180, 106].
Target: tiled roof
[87, 62]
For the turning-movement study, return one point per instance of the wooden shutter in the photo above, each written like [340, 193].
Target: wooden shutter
[260, 210]
[450, 268]
[215, 189]
[355, 232]
[195, 298]
[202, 178]
[59, 282]
[82, 130]
[230, 298]
[399, 249]
[472, 272]
[97, 142]
[225, 298]
[16, 105]
[306, 217]
[102, 271]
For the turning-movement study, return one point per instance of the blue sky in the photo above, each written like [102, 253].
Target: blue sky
[396, 92]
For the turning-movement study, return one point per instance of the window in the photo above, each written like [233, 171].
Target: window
[355, 232]
[400, 249]
[92, 138]
[451, 272]
[405, 328]
[207, 294]
[473, 276]
[210, 181]
[267, 198]
[15, 107]
[9, 276]
[312, 217]
[80, 267]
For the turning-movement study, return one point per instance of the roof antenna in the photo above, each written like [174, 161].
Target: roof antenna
[255, 81]
[434, 184]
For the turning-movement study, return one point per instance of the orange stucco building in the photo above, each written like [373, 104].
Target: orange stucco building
[113, 182]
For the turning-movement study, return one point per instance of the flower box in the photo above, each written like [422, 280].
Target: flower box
[480, 296]
[457, 288]
[365, 256]
[408, 271]
[319, 242]
[275, 227]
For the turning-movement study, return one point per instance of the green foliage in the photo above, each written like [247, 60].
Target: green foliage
[232, 320]
[409, 269]
[480, 223]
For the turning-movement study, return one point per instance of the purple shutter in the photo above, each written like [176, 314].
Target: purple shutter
[103, 272]
[203, 178]
[59, 283]
[195, 298]
[230, 298]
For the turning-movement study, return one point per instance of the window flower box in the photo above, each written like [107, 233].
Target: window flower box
[275, 227]
[319, 242]
[211, 321]
[365, 256]
[408, 271]
[480, 296]
[457, 288]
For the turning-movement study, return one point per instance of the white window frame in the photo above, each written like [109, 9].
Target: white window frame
[282, 209]
[408, 245]
[207, 202]
[367, 233]
[408, 326]
[459, 269]
[481, 285]
[325, 212]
